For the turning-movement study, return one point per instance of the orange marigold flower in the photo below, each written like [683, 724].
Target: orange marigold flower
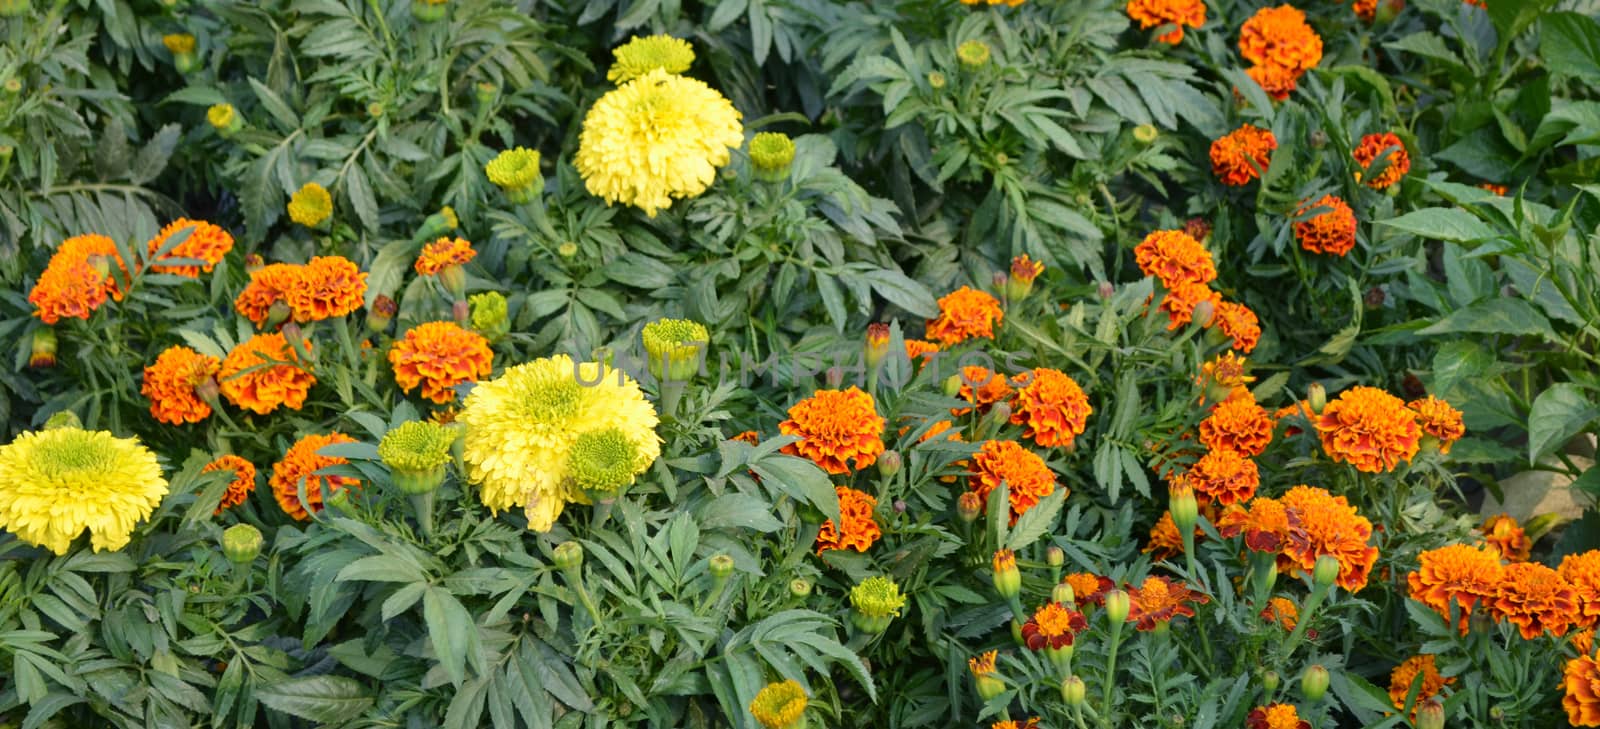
[1024, 269]
[1281, 610]
[1235, 158]
[835, 426]
[938, 428]
[963, 314]
[1277, 81]
[1053, 625]
[1507, 537]
[1166, 541]
[244, 480]
[442, 253]
[1369, 429]
[1581, 681]
[329, 286]
[1409, 672]
[1159, 600]
[1331, 231]
[1033, 721]
[1500, 190]
[860, 530]
[1321, 523]
[1534, 598]
[1238, 323]
[1583, 641]
[268, 285]
[1582, 571]
[1280, 36]
[1264, 524]
[1179, 303]
[1224, 477]
[302, 462]
[918, 349]
[439, 355]
[262, 389]
[1226, 369]
[1438, 419]
[1467, 575]
[748, 436]
[1088, 588]
[982, 387]
[1375, 146]
[77, 279]
[1024, 472]
[1302, 408]
[1174, 257]
[206, 242]
[1237, 424]
[982, 664]
[1051, 406]
[1178, 13]
[1275, 716]
[172, 385]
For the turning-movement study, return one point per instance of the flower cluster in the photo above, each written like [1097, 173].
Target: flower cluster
[327, 287]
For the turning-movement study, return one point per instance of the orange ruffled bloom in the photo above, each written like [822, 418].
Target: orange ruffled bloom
[1223, 477]
[1277, 81]
[1581, 680]
[1467, 575]
[1534, 598]
[302, 462]
[917, 349]
[1275, 716]
[1282, 611]
[263, 389]
[443, 253]
[1024, 472]
[171, 385]
[244, 480]
[1507, 537]
[1165, 540]
[1024, 269]
[439, 355]
[1033, 721]
[1178, 13]
[1438, 419]
[268, 285]
[206, 242]
[1237, 424]
[1179, 303]
[1323, 524]
[73, 284]
[990, 389]
[1407, 673]
[1369, 429]
[328, 286]
[1582, 571]
[1264, 524]
[1051, 407]
[1280, 37]
[860, 530]
[1236, 157]
[1159, 600]
[1053, 625]
[1374, 146]
[1332, 231]
[1088, 588]
[963, 314]
[835, 426]
[1175, 257]
[1238, 323]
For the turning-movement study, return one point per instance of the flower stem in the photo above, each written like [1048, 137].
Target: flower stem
[1111, 669]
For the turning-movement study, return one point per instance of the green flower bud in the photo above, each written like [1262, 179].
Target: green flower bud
[63, 419]
[1270, 681]
[416, 454]
[889, 463]
[771, 154]
[1185, 509]
[381, 313]
[1055, 557]
[489, 315]
[225, 119]
[1117, 606]
[516, 172]
[721, 567]
[952, 386]
[1007, 580]
[429, 11]
[1073, 691]
[241, 543]
[1326, 571]
[1317, 396]
[1063, 594]
[1314, 683]
[800, 587]
[603, 462]
[973, 53]
[42, 348]
[1146, 133]
[568, 556]
[936, 80]
[675, 348]
[874, 603]
[1430, 714]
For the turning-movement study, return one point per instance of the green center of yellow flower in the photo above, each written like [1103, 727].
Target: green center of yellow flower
[602, 460]
[771, 151]
[640, 56]
[551, 402]
[416, 446]
[69, 454]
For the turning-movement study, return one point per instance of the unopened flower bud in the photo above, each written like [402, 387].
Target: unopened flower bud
[889, 463]
[834, 376]
[489, 315]
[254, 262]
[1326, 571]
[900, 506]
[1430, 714]
[969, 506]
[1054, 556]
[224, 119]
[1204, 313]
[454, 279]
[877, 344]
[1073, 691]
[277, 314]
[1007, 580]
[340, 501]
[1185, 509]
[381, 313]
[1270, 681]
[241, 543]
[416, 453]
[1023, 271]
[800, 587]
[936, 80]
[874, 603]
[1105, 290]
[973, 53]
[1317, 397]
[63, 419]
[429, 11]
[461, 311]
[487, 92]
[1146, 133]
[721, 567]
[1319, 139]
[1063, 594]
[209, 392]
[952, 386]
[999, 280]
[42, 350]
[567, 249]
[1117, 606]
[1314, 683]
[181, 46]
[771, 153]
[568, 556]
[674, 348]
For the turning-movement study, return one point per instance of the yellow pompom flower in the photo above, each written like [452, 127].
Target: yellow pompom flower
[310, 205]
[656, 138]
[225, 119]
[780, 705]
[516, 171]
[522, 426]
[771, 153]
[57, 482]
[640, 56]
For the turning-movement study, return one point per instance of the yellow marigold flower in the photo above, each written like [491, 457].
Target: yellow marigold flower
[1275, 716]
[1507, 537]
[1439, 421]
[438, 356]
[964, 314]
[1053, 625]
[250, 382]
[1159, 600]
[602, 462]
[1581, 682]
[310, 205]
[1280, 37]
[641, 55]
[1583, 572]
[268, 285]
[1375, 146]
[1024, 271]
[1227, 370]
[1088, 588]
[1282, 611]
[416, 453]
[1332, 231]
[516, 171]
[327, 287]
[58, 482]
[771, 154]
[1025, 474]
[674, 348]
[877, 597]
[973, 53]
[178, 43]
[1534, 598]
[77, 280]
[859, 531]
[224, 118]
[1236, 157]
[1224, 477]
[442, 253]
[1178, 13]
[779, 705]
[1465, 575]
[244, 480]
[206, 242]
[172, 384]
[1369, 429]
[1419, 667]
[1051, 407]
[1175, 258]
[301, 463]
[656, 138]
[836, 427]
[1323, 524]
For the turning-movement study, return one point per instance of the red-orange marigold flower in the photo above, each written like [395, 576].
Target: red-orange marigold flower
[1323, 524]
[244, 480]
[1374, 146]
[328, 286]
[1275, 716]
[1534, 598]
[1027, 477]
[1264, 524]
[1024, 269]
[268, 285]
[1500, 190]
[1282, 611]
[1179, 303]
[1159, 600]
[963, 314]
[439, 355]
[982, 387]
[1581, 682]
[206, 242]
[1088, 588]
[438, 255]
[1238, 323]
[859, 531]
[1174, 257]
[835, 427]
[1223, 477]
[1507, 537]
[917, 349]
[77, 279]
[262, 389]
[1369, 429]
[1051, 406]
[748, 436]
[1277, 81]
[1407, 673]
[1166, 541]
[1332, 231]
[1236, 157]
[302, 462]
[1280, 36]
[1178, 13]
[171, 385]
[1467, 575]
[1582, 571]
[1438, 419]
[1237, 424]
[1053, 625]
